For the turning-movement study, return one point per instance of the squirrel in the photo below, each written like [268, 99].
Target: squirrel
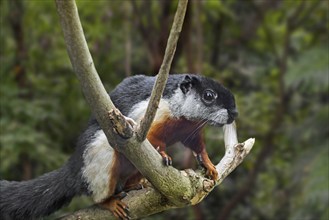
[96, 169]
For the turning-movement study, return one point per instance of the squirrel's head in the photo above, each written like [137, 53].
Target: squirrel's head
[202, 99]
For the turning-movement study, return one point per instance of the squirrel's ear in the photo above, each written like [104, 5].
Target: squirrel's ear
[188, 83]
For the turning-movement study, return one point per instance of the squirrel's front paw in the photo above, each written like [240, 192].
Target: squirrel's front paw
[212, 173]
[166, 159]
[131, 122]
[211, 169]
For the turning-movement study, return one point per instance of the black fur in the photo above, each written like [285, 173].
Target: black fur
[135, 89]
[49, 192]
[41, 196]
[44, 195]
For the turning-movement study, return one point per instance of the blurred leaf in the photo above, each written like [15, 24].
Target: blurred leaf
[309, 72]
[313, 199]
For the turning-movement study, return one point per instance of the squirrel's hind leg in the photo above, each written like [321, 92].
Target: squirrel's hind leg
[118, 208]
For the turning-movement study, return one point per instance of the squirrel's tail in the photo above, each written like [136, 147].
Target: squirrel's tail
[38, 197]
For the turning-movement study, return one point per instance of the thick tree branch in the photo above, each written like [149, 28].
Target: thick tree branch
[154, 202]
[174, 188]
[83, 64]
[162, 76]
[163, 178]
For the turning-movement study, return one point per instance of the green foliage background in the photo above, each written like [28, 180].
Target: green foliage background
[272, 54]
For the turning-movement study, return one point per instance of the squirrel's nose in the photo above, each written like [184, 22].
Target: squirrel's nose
[233, 113]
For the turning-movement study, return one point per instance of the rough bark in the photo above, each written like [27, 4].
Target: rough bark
[154, 202]
[172, 188]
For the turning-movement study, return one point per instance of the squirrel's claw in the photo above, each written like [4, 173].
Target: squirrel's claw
[166, 159]
[131, 121]
[118, 208]
[211, 171]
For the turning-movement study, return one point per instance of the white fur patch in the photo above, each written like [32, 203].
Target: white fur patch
[98, 160]
[139, 110]
[98, 156]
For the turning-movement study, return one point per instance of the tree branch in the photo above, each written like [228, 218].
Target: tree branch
[234, 152]
[154, 202]
[174, 188]
[162, 76]
[83, 64]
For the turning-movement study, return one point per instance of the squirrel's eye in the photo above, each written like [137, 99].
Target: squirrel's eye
[209, 96]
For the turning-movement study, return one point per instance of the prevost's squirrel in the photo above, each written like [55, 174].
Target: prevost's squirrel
[96, 169]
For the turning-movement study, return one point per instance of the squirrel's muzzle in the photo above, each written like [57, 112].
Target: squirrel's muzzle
[232, 113]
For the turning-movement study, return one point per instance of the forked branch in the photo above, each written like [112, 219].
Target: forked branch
[174, 188]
